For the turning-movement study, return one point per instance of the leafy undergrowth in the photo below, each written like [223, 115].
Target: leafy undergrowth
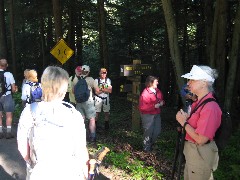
[126, 159]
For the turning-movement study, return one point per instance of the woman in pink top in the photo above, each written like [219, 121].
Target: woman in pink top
[200, 150]
[150, 102]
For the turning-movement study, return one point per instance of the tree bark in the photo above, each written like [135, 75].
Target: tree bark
[3, 39]
[233, 63]
[218, 46]
[173, 43]
[102, 35]
[12, 31]
[57, 19]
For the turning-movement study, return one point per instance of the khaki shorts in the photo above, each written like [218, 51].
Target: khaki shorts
[87, 109]
[102, 104]
[201, 161]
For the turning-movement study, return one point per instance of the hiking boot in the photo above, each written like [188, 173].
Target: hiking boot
[9, 135]
[92, 139]
[106, 125]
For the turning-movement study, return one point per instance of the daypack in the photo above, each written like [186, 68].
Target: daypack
[35, 93]
[3, 85]
[223, 133]
[81, 91]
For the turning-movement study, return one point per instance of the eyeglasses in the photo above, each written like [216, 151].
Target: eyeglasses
[104, 73]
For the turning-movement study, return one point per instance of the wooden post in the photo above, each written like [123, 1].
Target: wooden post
[133, 73]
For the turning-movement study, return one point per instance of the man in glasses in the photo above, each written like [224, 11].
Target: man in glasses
[102, 99]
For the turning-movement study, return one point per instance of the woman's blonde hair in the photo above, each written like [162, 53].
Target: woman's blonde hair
[31, 75]
[54, 83]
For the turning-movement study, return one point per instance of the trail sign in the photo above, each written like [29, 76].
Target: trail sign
[133, 73]
[61, 51]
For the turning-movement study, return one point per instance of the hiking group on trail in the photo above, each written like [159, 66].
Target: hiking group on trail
[50, 129]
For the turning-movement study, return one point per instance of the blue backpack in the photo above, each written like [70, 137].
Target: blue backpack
[81, 91]
[35, 93]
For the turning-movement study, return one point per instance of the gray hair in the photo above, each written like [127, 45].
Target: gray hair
[211, 72]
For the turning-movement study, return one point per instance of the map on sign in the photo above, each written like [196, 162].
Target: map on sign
[61, 51]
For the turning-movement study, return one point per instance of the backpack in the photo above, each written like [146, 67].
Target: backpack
[81, 91]
[3, 85]
[35, 93]
[223, 133]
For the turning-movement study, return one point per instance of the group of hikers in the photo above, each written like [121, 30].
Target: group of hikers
[52, 136]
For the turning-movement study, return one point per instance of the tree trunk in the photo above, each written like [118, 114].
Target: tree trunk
[208, 16]
[43, 43]
[218, 46]
[173, 43]
[102, 35]
[3, 39]
[57, 19]
[79, 34]
[14, 68]
[233, 63]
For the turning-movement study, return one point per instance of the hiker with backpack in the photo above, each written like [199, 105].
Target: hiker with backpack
[51, 134]
[102, 101]
[83, 92]
[200, 126]
[7, 87]
[31, 90]
[73, 80]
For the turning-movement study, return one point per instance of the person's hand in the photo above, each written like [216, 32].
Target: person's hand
[181, 117]
[157, 105]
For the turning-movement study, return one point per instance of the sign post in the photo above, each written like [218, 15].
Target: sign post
[133, 73]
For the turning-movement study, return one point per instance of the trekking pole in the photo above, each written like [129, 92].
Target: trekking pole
[95, 163]
[179, 131]
[181, 153]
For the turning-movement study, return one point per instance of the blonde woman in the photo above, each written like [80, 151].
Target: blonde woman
[59, 140]
[31, 81]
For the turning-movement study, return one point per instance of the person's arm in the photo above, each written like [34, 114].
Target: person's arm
[22, 133]
[181, 117]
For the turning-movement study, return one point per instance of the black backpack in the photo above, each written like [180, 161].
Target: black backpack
[81, 91]
[3, 85]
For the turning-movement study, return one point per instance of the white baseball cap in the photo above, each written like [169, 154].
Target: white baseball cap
[85, 68]
[197, 73]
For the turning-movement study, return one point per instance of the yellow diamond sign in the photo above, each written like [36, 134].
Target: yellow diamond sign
[61, 51]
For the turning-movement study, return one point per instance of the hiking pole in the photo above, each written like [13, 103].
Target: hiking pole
[179, 131]
[95, 163]
[183, 134]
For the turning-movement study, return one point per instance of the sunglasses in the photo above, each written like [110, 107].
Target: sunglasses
[104, 73]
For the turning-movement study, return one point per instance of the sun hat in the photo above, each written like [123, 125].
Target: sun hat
[197, 73]
[85, 68]
[103, 70]
[32, 76]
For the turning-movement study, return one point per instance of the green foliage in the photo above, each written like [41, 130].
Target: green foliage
[135, 168]
[18, 106]
[229, 163]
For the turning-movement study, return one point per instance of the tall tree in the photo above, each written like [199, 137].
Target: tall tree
[3, 39]
[57, 19]
[173, 42]
[218, 45]
[102, 35]
[11, 8]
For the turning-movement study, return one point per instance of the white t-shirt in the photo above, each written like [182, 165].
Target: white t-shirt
[60, 141]
[103, 84]
[9, 81]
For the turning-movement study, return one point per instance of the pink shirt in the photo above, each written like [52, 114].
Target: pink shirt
[148, 100]
[206, 119]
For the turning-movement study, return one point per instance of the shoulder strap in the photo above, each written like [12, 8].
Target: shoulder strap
[201, 104]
